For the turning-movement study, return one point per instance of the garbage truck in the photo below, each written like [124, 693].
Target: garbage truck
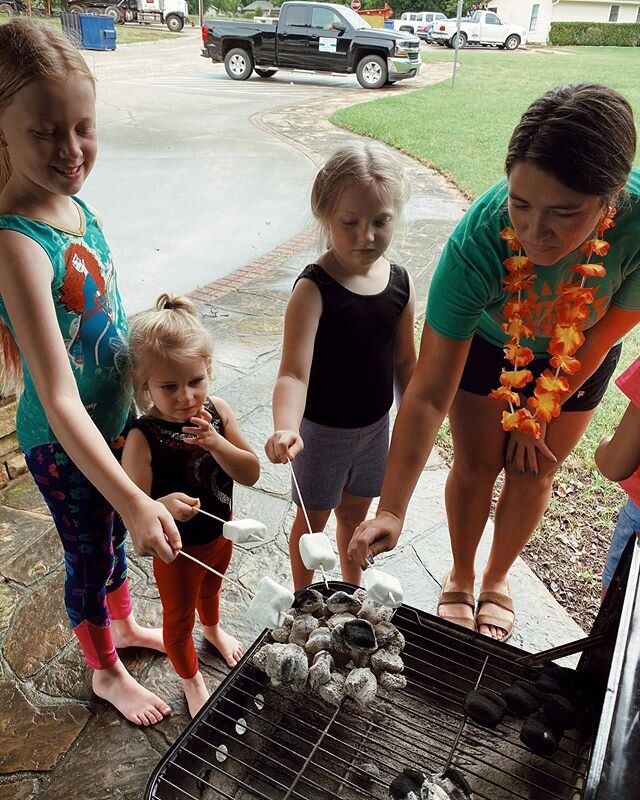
[172, 13]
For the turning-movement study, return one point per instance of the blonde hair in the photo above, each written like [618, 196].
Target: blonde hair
[29, 51]
[173, 330]
[364, 164]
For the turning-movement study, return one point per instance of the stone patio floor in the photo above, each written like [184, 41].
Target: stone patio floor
[57, 741]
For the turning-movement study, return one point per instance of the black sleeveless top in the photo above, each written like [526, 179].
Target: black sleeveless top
[351, 379]
[181, 467]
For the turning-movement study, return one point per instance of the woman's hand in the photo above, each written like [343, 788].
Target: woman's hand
[180, 505]
[202, 431]
[283, 446]
[373, 537]
[152, 529]
[522, 450]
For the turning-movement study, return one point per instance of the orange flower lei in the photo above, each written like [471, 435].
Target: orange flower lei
[570, 310]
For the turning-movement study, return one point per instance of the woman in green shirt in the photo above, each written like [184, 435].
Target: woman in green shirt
[534, 290]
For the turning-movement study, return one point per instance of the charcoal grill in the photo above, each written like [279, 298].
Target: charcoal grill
[255, 741]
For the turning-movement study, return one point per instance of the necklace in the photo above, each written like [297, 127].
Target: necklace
[569, 312]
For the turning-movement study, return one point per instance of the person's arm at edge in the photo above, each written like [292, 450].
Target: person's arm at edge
[618, 456]
[404, 351]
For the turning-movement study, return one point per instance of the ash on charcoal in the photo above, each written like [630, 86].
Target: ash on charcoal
[362, 686]
[341, 602]
[540, 736]
[392, 682]
[485, 707]
[285, 663]
[319, 639]
[412, 784]
[367, 773]
[302, 627]
[384, 661]
[320, 670]
[308, 601]
[375, 613]
[337, 620]
[335, 691]
[358, 635]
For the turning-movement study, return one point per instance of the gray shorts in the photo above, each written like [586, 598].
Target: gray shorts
[340, 459]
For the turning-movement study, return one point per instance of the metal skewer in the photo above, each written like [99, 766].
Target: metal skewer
[306, 516]
[219, 519]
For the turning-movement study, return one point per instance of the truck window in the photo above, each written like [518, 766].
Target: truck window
[492, 19]
[296, 17]
[475, 17]
[324, 18]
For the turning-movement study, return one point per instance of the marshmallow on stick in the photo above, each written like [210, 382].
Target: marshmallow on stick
[316, 551]
[242, 531]
[383, 588]
[270, 604]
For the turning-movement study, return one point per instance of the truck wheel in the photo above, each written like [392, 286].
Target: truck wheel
[462, 40]
[372, 72]
[174, 23]
[238, 64]
[266, 73]
[77, 10]
[113, 12]
[512, 42]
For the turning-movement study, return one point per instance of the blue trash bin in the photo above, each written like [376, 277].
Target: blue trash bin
[89, 31]
[388, 23]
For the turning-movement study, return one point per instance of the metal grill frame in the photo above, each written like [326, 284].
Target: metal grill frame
[442, 663]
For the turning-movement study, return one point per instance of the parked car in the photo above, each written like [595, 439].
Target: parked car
[481, 28]
[411, 21]
[319, 37]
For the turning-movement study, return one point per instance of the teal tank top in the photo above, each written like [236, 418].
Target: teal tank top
[92, 323]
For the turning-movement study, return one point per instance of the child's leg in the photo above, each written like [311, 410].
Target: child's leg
[628, 523]
[301, 575]
[179, 586]
[349, 514]
[84, 521]
[125, 630]
[218, 555]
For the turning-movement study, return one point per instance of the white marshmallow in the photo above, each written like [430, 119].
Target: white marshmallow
[383, 588]
[241, 531]
[270, 604]
[316, 551]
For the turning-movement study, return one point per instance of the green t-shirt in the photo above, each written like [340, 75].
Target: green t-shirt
[466, 295]
[92, 323]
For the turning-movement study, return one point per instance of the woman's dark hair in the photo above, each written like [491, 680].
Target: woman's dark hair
[582, 133]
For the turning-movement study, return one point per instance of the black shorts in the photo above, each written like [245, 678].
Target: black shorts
[486, 361]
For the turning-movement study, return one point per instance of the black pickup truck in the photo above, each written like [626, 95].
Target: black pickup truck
[320, 37]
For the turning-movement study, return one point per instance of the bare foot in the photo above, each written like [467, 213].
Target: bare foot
[127, 633]
[196, 692]
[130, 698]
[229, 648]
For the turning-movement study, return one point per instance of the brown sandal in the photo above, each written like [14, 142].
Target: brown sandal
[451, 598]
[498, 599]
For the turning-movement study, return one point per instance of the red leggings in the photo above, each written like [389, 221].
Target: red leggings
[185, 587]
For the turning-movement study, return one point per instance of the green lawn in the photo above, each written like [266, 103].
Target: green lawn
[463, 132]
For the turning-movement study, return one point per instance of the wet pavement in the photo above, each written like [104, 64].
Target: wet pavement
[57, 741]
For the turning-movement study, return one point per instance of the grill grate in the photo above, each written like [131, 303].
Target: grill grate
[253, 741]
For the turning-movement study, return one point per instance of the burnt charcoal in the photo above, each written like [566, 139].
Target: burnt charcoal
[319, 639]
[359, 635]
[556, 680]
[375, 613]
[408, 785]
[367, 773]
[559, 711]
[523, 698]
[309, 601]
[485, 707]
[386, 632]
[338, 644]
[392, 681]
[384, 661]
[337, 620]
[540, 736]
[450, 786]
[341, 603]
[362, 686]
[334, 691]
[320, 670]
[302, 627]
[286, 664]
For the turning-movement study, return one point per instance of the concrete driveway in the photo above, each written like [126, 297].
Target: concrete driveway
[189, 184]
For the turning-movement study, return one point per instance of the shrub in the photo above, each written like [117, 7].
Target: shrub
[595, 34]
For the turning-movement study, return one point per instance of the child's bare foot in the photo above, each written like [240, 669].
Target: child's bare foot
[127, 633]
[130, 698]
[196, 692]
[229, 648]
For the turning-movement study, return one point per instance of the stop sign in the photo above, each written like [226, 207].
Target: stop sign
[356, 5]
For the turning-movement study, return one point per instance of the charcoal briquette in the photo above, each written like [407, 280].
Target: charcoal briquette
[308, 601]
[359, 635]
[539, 735]
[485, 707]
[407, 785]
[559, 711]
[523, 698]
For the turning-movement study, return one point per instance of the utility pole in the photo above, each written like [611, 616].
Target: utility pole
[455, 57]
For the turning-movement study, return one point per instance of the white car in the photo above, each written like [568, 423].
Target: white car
[411, 21]
[482, 27]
